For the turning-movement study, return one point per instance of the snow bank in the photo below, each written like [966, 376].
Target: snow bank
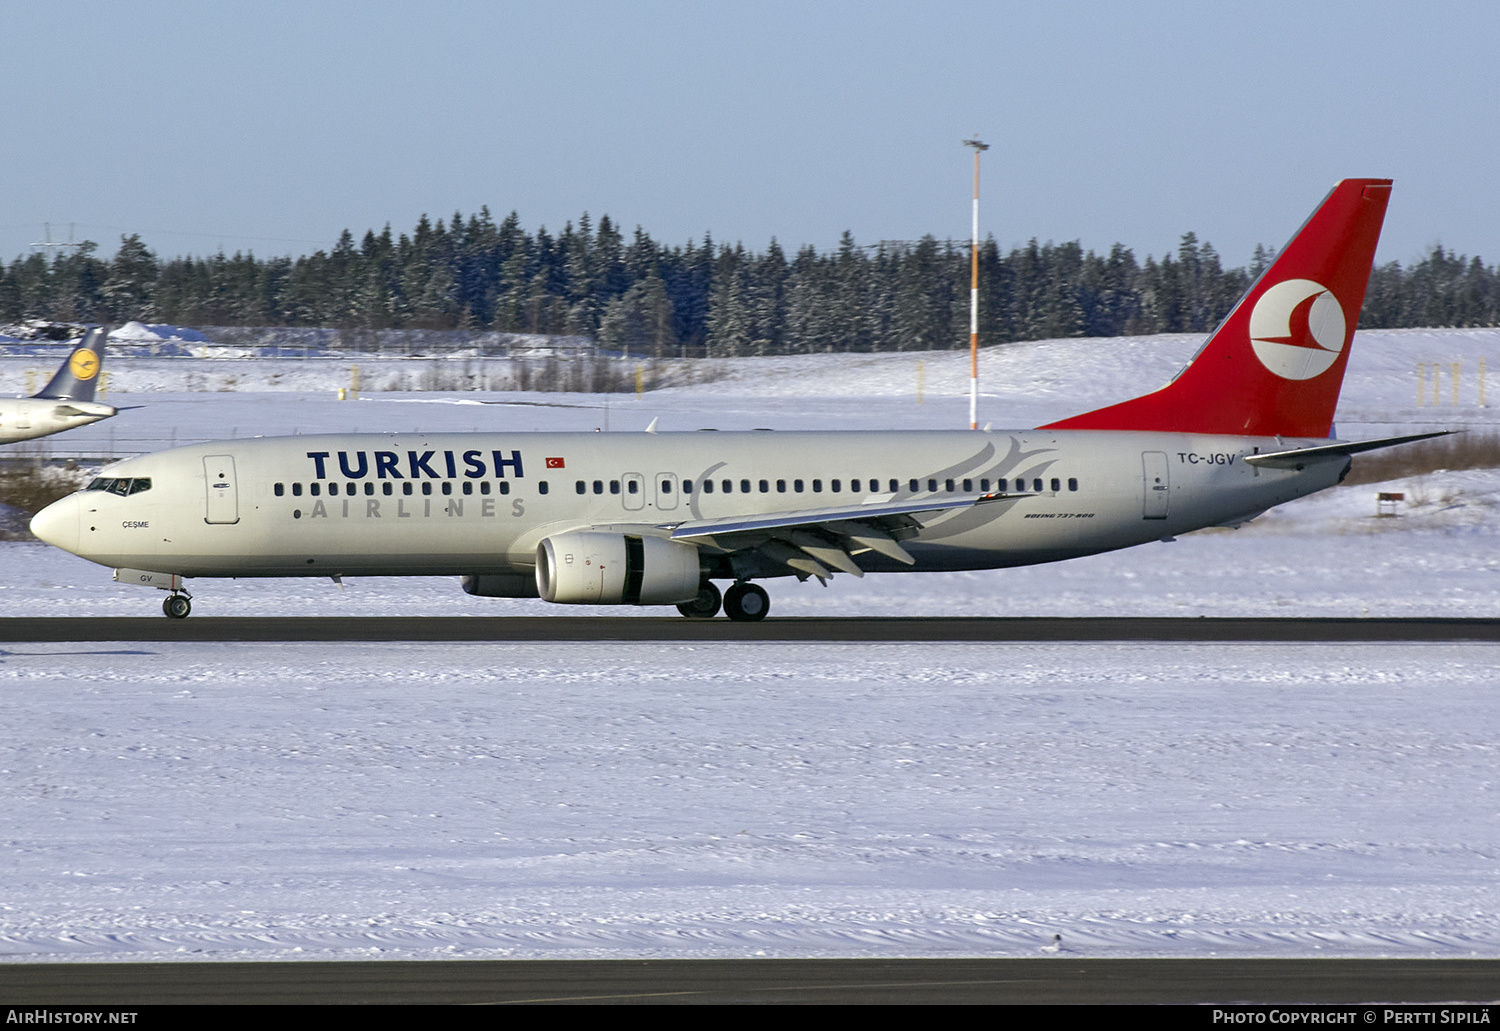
[136, 332]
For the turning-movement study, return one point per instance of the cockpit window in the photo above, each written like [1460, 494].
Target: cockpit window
[121, 485]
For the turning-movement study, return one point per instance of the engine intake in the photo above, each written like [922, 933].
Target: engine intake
[590, 567]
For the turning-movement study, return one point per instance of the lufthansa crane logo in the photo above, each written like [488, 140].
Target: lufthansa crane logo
[84, 363]
[1297, 329]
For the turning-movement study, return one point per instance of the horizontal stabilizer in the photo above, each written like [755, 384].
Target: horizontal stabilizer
[1299, 456]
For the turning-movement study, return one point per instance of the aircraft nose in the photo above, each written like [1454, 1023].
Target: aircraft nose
[57, 524]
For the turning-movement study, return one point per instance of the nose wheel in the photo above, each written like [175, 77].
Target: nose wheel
[746, 603]
[177, 606]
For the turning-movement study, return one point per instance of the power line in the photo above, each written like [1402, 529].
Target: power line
[159, 232]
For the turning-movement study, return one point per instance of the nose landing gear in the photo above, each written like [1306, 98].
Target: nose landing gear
[177, 605]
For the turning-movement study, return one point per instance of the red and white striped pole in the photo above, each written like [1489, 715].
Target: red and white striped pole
[974, 296]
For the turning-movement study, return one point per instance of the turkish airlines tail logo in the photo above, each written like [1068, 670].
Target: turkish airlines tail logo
[1275, 364]
[1297, 329]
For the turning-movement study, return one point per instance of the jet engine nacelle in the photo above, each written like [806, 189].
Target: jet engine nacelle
[592, 567]
[499, 585]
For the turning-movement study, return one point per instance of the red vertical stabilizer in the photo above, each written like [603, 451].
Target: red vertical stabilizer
[1275, 364]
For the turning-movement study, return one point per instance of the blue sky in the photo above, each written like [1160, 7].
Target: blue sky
[271, 126]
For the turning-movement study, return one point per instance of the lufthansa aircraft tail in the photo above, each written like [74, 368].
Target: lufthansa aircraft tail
[76, 379]
[1275, 364]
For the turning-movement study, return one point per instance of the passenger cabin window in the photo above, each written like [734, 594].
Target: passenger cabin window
[708, 486]
[315, 488]
[296, 490]
[541, 487]
[279, 489]
[1072, 483]
[1056, 486]
[407, 488]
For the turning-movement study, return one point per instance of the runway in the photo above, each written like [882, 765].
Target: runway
[1044, 980]
[790, 630]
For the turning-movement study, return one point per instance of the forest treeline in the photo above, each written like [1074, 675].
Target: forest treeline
[702, 298]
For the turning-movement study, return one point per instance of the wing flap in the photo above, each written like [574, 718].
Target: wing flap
[871, 513]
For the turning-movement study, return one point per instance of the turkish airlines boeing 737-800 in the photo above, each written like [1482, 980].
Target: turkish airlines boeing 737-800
[655, 518]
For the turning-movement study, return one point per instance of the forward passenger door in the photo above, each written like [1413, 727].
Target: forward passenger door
[223, 492]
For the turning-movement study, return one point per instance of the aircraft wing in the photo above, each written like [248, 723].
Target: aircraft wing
[811, 540]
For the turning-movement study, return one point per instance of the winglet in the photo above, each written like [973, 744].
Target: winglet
[1275, 364]
[76, 379]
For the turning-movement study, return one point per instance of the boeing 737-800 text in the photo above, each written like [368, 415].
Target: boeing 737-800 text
[656, 518]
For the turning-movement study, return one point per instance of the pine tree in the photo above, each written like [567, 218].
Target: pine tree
[127, 290]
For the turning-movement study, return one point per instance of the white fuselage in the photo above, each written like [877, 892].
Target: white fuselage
[25, 418]
[408, 504]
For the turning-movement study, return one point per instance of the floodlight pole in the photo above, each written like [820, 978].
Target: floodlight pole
[978, 148]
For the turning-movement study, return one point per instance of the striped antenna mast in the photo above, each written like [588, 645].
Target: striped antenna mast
[978, 147]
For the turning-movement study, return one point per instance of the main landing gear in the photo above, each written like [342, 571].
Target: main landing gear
[177, 605]
[743, 602]
[746, 603]
[705, 606]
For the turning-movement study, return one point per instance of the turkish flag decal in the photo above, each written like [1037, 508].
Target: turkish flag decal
[555, 463]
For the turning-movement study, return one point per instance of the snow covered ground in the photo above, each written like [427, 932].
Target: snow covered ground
[604, 800]
[164, 801]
